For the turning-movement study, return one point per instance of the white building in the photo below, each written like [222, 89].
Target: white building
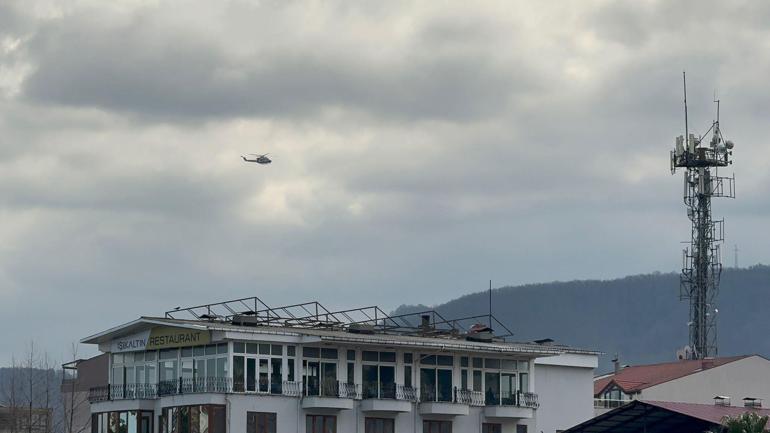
[737, 378]
[305, 369]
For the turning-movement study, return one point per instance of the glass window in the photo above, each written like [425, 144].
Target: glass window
[351, 355]
[491, 428]
[464, 379]
[428, 359]
[407, 358]
[138, 356]
[221, 367]
[201, 350]
[261, 422]
[408, 375]
[351, 372]
[379, 425]
[524, 382]
[251, 348]
[211, 349]
[276, 349]
[329, 353]
[221, 348]
[463, 361]
[492, 388]
[251, 374]
[477, 380]
[430, 426]
[187, 352]
[491, 363]
[117, 358]
[523, 365]
[478, 363]
[509, 364]
[321, 424]
[264, 349]
[238, 348]
[370, 356]
[387, 356]
[168, 354]
[239, 380]
[290, 350]
[311, 352]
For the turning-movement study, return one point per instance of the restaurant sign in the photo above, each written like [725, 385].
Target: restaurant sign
[161, 337]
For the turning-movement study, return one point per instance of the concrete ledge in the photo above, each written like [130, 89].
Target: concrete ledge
[332, 403]
[510, 412]
[376, 405]
[439, 408]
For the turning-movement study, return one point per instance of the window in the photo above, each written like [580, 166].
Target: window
[429, 426]
[521, 428]
[260, 369]
[491, 428]
[193, 419]
[378, 374]
[436, 382]
[379, 425]
[260, 422]
[122, 422]
[321, 424]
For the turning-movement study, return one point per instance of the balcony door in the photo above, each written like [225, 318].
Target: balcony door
[321, 379]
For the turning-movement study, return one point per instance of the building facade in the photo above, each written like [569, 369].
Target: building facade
[686, 381]
[271, 370]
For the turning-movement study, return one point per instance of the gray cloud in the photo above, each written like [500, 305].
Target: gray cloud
[419, 150]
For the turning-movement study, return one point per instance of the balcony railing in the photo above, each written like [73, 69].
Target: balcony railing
[330, 388]
[181, 386]
[607, 403]
[472, 398]
[517, 399]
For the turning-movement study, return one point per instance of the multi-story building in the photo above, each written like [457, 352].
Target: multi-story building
[306, 369]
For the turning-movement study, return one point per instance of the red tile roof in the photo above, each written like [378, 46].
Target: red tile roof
[636, 378]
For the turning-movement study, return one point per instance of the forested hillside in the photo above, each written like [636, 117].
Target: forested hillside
[640, 317]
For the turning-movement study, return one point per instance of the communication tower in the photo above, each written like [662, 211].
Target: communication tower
[702, 265]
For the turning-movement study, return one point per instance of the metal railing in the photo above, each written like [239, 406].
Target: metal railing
[222, 385]
[406, 393]
[466, 396]
[607, 403]
[517, 399]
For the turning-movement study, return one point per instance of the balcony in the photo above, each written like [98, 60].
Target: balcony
[456, 402]
[509, 405]
[183, 386]
[329, 394]
[391, 398]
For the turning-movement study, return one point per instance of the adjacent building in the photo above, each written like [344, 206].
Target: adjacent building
[687, 381]
[79, 377]
[25, 419]
[240, 366]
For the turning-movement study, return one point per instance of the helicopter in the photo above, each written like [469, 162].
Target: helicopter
[259, 159]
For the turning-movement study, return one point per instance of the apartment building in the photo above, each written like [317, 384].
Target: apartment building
[241, 366]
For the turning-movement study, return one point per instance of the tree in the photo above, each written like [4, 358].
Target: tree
[748, 422]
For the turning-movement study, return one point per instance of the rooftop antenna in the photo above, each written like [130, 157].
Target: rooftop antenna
[701, 265]
[490, 303]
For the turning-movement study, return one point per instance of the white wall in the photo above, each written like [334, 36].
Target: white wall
[748, 377]
[565, 395]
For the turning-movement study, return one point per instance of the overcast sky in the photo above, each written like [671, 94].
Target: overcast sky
[419, 150]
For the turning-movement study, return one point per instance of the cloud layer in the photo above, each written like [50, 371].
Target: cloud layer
[419, 150]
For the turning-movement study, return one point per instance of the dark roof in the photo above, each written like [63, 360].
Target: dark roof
[659, 416]
[636, 378]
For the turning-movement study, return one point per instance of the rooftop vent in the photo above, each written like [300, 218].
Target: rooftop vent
[752, 402]
[425, 322]
[721, 400]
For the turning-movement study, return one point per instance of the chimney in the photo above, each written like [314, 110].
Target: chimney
[616, 362]
[425, 321]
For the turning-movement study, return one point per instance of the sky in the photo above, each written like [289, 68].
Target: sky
[419, 150]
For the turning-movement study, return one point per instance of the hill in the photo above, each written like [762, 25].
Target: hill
[640, 317]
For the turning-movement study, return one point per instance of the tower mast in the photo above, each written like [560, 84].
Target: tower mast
[702, 264]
